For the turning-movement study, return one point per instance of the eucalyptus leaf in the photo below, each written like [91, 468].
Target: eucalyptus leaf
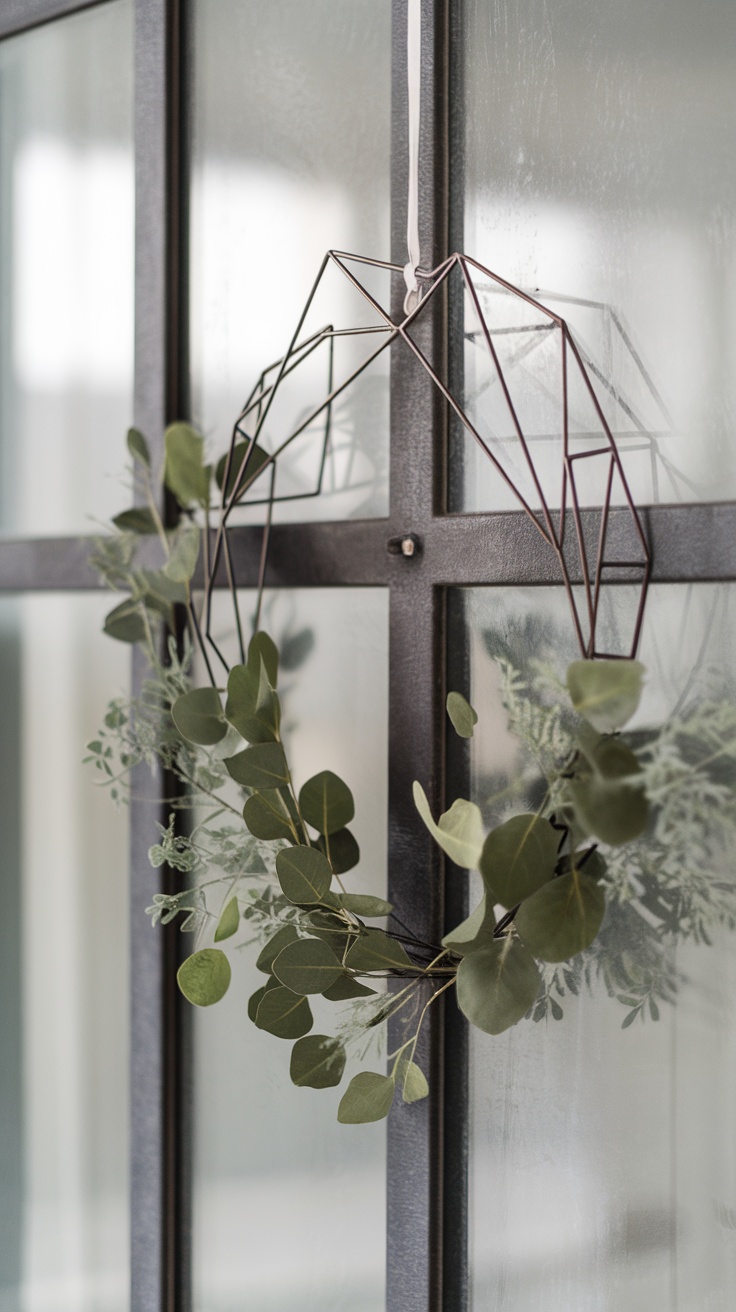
[317, 1062]
[497, 985]
[606, 692]
[613, 811]
[138, 447]
[459, 832]
[344, 853]
[307, 966]
[138, 520]
[375, 950]
[263, 648]
[268, 817]
[363, 904]
[368, 1097]
[285, 1014]
[229, 920]
[204, 977]
[126, 622]
[256, 460]
[304, 874]
[280, 940]
[185, 473]
[254, 1002]
[475, 932]
[198, 716]
[333, 930]
[326, 803]
[562, 918]
[252, 704]
[412, 1081]
[156, 585]
[518, 857]
[261, 766]
[184, 553]
[346, 988]
[462, 716]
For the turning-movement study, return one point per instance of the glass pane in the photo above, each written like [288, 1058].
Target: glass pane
[604, 1152]
[291, 152]
[66, 269]
[63, 966]
[600, 179]
[289, 1205]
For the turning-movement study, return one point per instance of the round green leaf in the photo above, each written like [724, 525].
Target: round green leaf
[475, 932]
[263, 648]
[497, 986]
[304, 874]
[138, 520]
[285, 1014]
[185, 473]
[262, 766]
[562, 918]
[317, 1062]
[459, 832]
[606, 692]
[204, 977]
[362, 904]
[344, 852]
[138, 447]
[252, 706]
[375, 950]
[281, 939]
[345, 989]
[614, 812]
[184, 554]
[326, 803]
[412, 1082]
[198, 716]
[307, 966]
[462, 716]
[256, 461]
[126, 623]
[229, 920]
[368, 1097]
[518, 857]
[254, 1001]
[267, 816]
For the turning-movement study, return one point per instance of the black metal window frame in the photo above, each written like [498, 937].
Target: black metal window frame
[427, 1158]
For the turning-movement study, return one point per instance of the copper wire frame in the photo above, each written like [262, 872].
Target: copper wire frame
[250, 422]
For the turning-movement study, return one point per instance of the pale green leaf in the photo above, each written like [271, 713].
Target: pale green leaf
[368, 1097]
[138, 447]
[198, 716]
[229, 920]
[185, 473]
[459, 832]
[518, 857]
[204, 977]
[497, 986]
[462, 716]
[412, 1081]
[184, 553]
[606, 692]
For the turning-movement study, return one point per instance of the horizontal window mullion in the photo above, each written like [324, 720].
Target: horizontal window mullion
[20, 15]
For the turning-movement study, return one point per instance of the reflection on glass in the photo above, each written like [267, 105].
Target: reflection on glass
[289, 160]
[289, 1205]
[603, 1142]
[63, 963]
[599, 178]
[66, 268]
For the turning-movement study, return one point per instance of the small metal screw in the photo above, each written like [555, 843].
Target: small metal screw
[408, 546]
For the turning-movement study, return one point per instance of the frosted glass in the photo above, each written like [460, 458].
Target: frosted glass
[289, 1206]
[66, 269]
[63, 966]
[600, 178]
[291, 148]
[603, 1158]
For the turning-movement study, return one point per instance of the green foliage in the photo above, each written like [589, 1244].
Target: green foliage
[284, 1014]
[185, 473]
[281, 939]
[138, 520]
[518, 857]
[562, 918]
[256, 460]
[229, 920]
[362, 904]
[304, 875]
[474, 933]
[368, 1097]
[462, 716]
[198, 716]
[459, 832]
[204, 978]
[307, 966]
[262, 766]
[317, 1062]
[326, 803]
[605, 692]
[341, 850]
[496, 986]
[138, 447]
[269, 816]
[376, 951]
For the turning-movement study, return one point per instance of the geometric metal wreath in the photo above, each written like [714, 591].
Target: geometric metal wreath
[565, 391]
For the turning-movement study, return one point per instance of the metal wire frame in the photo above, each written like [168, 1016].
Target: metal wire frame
[256, 409]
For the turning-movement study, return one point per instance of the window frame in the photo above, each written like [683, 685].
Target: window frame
[427, 1143]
